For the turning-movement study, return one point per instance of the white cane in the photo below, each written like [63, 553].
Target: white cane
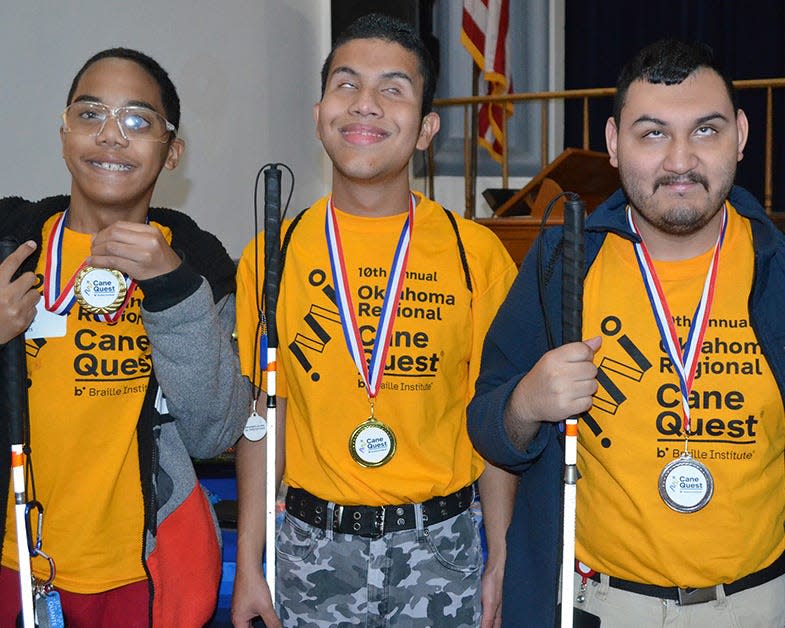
[14, 403]
[572, 318]
[272, 260]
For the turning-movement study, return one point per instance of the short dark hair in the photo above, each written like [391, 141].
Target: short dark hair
[387, 28]
[669, 62]
[169, 97]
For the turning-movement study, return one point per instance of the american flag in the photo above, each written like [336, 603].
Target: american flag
[484, 33]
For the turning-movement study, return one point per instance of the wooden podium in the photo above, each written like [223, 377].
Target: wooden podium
[517, 221]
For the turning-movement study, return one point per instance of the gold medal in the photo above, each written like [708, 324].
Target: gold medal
[372, 443]
[100, 290]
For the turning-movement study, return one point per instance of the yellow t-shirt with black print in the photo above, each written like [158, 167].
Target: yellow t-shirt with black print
[432, 361]
[86, 394]
[634, 428]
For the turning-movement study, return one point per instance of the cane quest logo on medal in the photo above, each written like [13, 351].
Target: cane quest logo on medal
[685, 484]
[100, 287]
[689, 484]
[100, 290]
[373, 444]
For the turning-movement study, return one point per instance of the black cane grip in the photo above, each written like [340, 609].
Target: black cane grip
[7, 246]
[572, 272]
[13, 372]
[272, 249]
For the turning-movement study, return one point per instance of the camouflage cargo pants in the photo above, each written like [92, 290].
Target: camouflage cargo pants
[414, 578]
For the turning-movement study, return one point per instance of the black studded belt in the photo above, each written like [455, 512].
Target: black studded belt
[374, 521]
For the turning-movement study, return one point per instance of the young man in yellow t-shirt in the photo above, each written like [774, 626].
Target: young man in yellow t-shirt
[129, 360]
[680, 505]
[377, 458]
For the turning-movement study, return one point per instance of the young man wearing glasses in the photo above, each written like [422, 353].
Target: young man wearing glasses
[130, 363]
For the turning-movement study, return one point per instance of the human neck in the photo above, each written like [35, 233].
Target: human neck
[85, 217]
[372, 200]
[667, 247]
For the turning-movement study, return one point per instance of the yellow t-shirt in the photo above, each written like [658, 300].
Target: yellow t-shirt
[431, 365]
[624, 528]
[85, 398]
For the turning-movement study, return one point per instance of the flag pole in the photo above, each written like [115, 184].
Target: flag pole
[471, 183]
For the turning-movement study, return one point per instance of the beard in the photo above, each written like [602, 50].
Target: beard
[678, 216]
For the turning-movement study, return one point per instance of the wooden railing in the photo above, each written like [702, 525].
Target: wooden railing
[472, 103]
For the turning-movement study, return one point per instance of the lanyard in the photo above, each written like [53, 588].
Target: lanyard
[685, 362]
[60, 301]
[373, 371]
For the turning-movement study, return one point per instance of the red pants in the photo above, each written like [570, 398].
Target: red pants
[125, 606]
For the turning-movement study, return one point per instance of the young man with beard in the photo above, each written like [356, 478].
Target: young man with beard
[680, 381]
[130, 363]
[377, 459]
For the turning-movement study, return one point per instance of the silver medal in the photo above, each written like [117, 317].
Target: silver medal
[686, 485]
[255, 427]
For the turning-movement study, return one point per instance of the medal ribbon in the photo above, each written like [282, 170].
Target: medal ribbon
[686, 362]
[372, 372]
[60, 301]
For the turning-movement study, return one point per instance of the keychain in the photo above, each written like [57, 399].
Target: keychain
[46, 605]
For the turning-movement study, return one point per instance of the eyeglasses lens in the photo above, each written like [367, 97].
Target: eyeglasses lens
[136, 123]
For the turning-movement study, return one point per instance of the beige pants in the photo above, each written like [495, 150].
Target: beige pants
[758, 607]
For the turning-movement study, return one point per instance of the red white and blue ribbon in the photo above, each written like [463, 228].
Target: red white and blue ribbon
[373, 371]
[60, 301]
[685, 360]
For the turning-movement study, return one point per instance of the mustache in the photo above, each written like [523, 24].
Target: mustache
[676, 179]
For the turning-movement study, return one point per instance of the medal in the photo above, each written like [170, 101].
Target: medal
[686, 485]
[255, 426]
[372, 443]
[99, 290]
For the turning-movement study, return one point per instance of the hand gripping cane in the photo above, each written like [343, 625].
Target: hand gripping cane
[572, 317]
[272, 261]
[13, 402]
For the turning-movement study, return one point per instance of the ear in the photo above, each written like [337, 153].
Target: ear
[315, 112]
[743, 127]
[62, 142]
[429, 127]
[612, 141]
[173, 153]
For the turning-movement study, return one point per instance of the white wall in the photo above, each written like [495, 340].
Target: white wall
[247, 72]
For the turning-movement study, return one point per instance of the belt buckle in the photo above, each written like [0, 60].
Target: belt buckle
[337, 518]
[378, 522]
[697, 596]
